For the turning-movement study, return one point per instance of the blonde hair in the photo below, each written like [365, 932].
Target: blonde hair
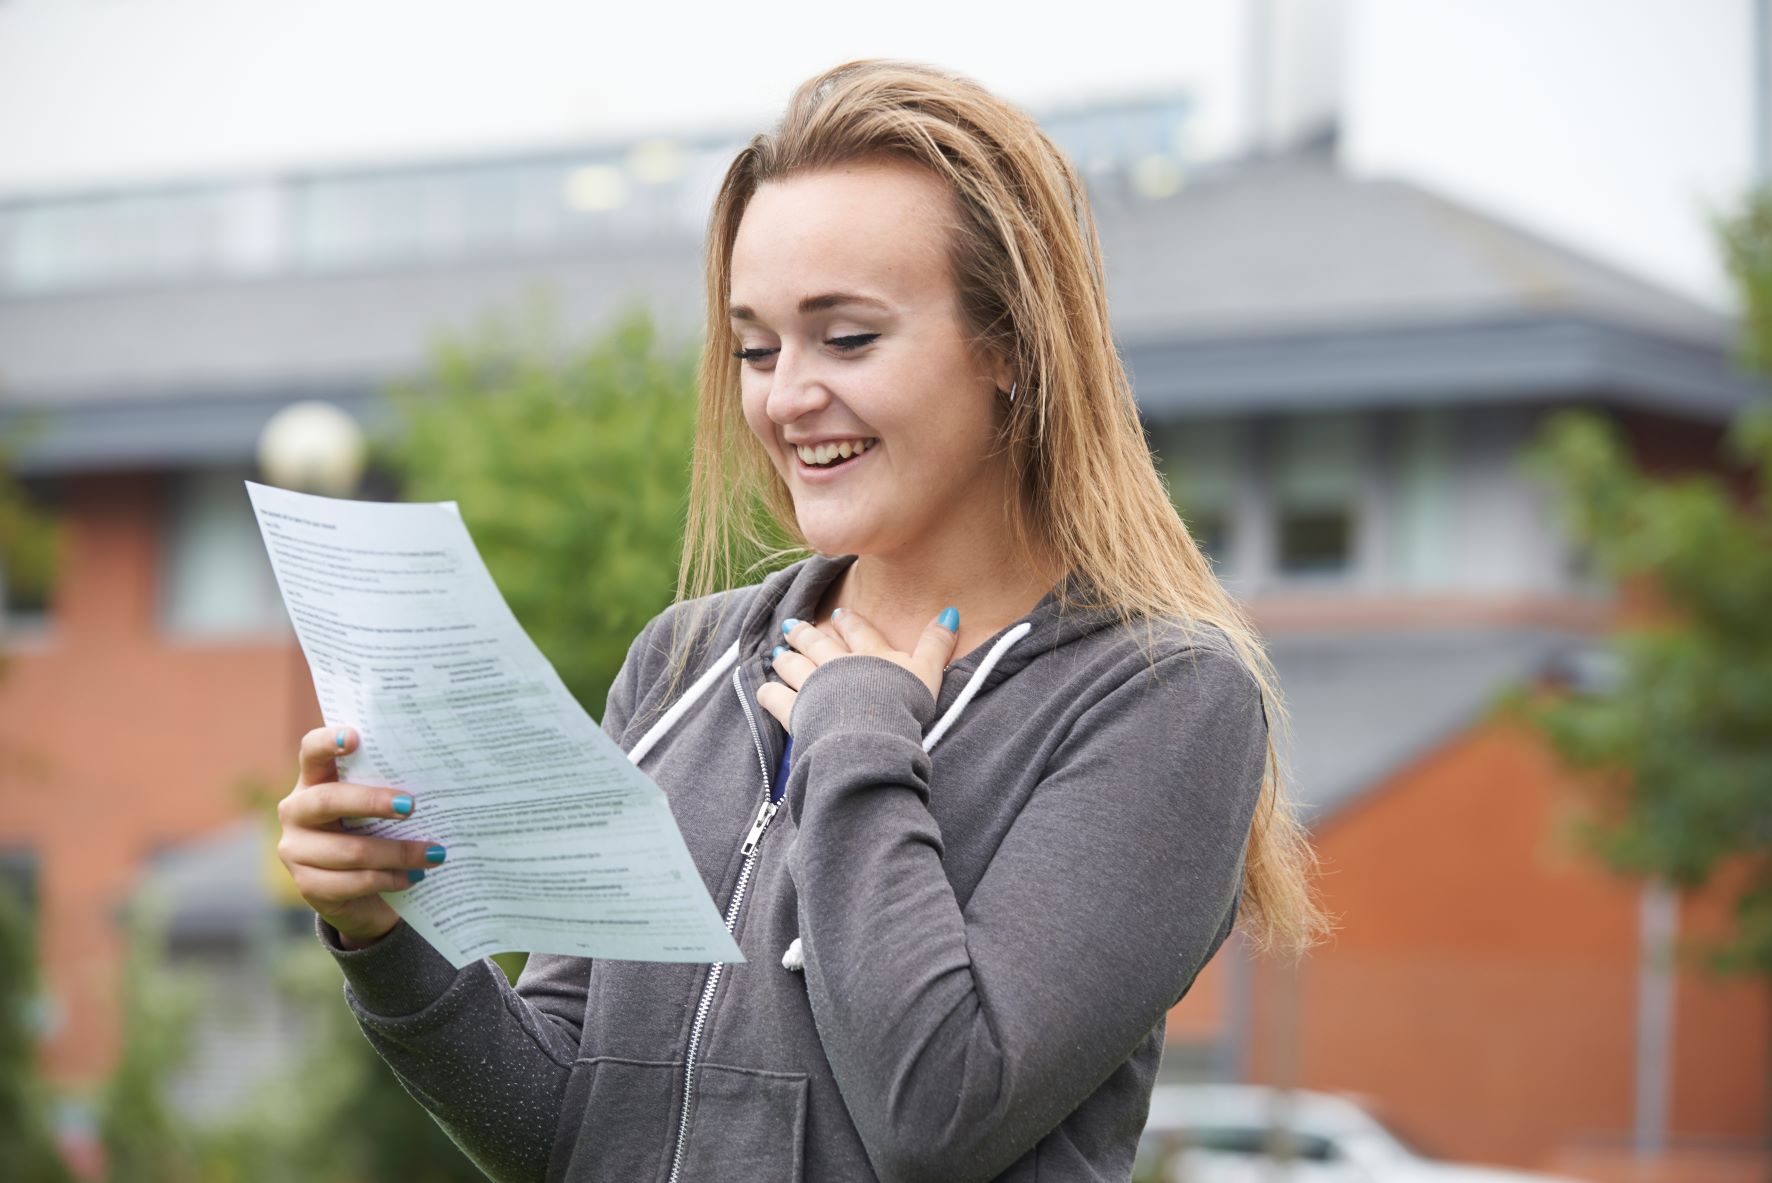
[1027, 264]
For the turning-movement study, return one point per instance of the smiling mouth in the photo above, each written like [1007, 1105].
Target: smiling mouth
[824, 458]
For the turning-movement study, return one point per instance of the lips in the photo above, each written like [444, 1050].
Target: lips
[822, 473]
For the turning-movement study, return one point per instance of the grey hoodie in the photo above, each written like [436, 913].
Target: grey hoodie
[998, 896]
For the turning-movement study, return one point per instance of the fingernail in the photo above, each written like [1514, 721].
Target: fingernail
[837, 613]
[949, 619]
[414, 876]
[403, 805]
[341, 737]
[777, 652]
[789, 625]
[435, 854]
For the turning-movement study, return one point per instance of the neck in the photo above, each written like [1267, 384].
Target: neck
[900, 592]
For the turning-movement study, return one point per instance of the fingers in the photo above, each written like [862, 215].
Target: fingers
[936, 646]
[778, 700]
[858, 632]
[321, 805]
[320, 750]
[817, 644]
[334, 851]
[792, 668]
[327, 891]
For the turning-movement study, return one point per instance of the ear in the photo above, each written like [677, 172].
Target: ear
[994, 364]
[1004, 374]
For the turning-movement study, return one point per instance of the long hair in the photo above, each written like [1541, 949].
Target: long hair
[1026, 260]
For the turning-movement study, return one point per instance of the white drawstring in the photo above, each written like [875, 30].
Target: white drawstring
[682, 705]
[973, 683]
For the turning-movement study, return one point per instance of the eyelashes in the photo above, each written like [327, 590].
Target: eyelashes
[844, 344]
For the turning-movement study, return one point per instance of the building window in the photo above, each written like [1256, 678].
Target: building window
[216, 578]
[1211, 529]
[1201, 460]
[29, 543]
[1424, 498]
[1319, 462]
[18, 877]
[1315, 541]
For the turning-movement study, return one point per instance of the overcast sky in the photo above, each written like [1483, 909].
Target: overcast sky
[1607, 123]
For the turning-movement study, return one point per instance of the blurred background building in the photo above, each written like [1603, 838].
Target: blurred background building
[1338, 372]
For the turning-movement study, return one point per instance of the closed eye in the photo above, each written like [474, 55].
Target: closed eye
[842, 344]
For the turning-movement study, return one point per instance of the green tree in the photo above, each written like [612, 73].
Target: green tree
[340, 1116]
[1678, 745]
[571, 468]
[27, 1149]
[145, 1140]
[28, 542]
[29, 538]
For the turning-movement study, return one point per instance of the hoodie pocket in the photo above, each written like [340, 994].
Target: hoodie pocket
[746, 1124]
[617, 1123]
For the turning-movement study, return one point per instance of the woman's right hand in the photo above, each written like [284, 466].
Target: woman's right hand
[340, 873]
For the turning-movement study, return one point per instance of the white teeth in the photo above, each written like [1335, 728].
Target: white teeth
[840, 450]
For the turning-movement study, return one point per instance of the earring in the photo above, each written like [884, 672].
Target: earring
[1011, 392]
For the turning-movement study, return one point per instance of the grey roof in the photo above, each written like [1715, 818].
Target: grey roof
[1286, 284]
[1363, 704]
[1293, 244]
[1271, 286]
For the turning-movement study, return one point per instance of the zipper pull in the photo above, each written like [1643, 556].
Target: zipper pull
[757, 828]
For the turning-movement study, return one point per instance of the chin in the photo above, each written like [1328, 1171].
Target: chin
[837, 538]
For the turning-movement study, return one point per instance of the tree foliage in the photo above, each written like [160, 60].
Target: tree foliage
[1679, 745]
[571, 469]
[27, 1148]
[145, 1140]
[29, 538]
[28, 545]
[340, 1116]
[337, 1116]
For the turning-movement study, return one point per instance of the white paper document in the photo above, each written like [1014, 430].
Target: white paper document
[557, 843]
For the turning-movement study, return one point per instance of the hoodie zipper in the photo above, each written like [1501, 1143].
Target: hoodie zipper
[749, 851]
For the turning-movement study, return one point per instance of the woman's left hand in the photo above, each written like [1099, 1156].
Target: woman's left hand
[808, 646]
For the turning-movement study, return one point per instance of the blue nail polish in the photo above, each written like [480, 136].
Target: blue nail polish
[414, 876]
[950, 619]
[403, 805]
[435, 854]
[789, 625]
[340, 738]
[777, 652]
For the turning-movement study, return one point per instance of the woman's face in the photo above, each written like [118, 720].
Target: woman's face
[841, 295]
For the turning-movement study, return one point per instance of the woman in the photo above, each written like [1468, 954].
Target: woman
[980, 785]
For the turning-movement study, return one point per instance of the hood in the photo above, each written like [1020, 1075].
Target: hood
[796, 590]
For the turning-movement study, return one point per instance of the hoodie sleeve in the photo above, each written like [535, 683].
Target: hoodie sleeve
[960, 1037]
[489, 1061]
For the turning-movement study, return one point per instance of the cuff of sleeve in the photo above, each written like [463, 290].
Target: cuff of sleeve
[861, 693]
[397, 976]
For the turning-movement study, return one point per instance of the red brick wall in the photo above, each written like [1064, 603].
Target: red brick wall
[116, 741]
[1482, 988]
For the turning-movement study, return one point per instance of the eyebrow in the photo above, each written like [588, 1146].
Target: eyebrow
[818, 303]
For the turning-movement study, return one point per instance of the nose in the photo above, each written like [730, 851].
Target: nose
[796, 386]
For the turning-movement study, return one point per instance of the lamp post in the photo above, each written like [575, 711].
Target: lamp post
[310, 447]
[313, 447]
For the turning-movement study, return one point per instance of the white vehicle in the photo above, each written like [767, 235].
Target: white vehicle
[1222, 1133]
